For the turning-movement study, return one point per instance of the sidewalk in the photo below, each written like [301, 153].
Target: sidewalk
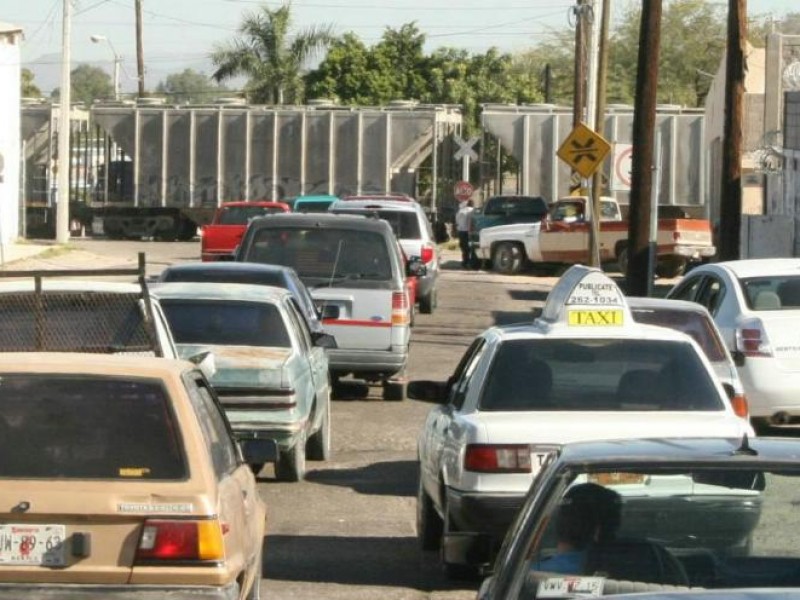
[22, 249]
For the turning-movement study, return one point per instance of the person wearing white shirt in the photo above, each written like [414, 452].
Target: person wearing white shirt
[463, 219]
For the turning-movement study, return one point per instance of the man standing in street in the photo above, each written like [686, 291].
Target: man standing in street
[463, 218]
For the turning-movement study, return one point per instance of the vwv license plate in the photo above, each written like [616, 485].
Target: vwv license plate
[23, 544]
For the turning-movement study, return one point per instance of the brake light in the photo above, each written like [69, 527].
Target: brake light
[168, 541]
[739, 405]
[427, 254]
[752, 340]
[400, 308]
[494, 458]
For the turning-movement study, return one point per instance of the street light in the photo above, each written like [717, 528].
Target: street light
[117, 60]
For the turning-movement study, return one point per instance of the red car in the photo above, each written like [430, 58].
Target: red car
[220, 238]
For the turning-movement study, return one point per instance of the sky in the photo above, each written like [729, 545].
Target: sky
[180, 34]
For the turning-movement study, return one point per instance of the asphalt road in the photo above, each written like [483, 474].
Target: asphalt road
[348, 531]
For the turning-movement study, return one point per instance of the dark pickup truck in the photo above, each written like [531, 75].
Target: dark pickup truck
[506, 210]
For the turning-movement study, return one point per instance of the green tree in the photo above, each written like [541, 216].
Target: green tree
[344, 75]
[28, 88]
[189, 86]
[89, 84]
[269, 55]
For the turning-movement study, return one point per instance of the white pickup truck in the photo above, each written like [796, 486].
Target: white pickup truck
[563, 238]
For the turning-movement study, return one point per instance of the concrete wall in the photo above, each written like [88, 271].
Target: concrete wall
[10, 40]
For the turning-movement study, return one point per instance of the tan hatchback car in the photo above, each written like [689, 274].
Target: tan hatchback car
[119, 478]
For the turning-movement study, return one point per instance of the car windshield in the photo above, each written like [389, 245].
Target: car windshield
[598, 375]
[333, 256]
[241, 215]
[703, 526]
[690, 322]
[87, 427]
[404, 224]
[777, 292]
[225, 323]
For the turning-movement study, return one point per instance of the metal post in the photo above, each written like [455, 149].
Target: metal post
[599, 126]
[654, 192]
[65, 101]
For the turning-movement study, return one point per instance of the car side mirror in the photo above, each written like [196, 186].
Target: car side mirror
[416, 267]
[738, 358]
[428, 391]
[205, 362]
[324, 340]
[255, 451]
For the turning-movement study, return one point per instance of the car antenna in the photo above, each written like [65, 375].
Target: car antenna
[745, 448]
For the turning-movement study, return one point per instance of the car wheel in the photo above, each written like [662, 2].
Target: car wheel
[255, 590]
[428, 303]
[291, 465]
[429, 524]
[622, 260]
[319, 444]
[256, 468]
[394, 390]
[508, 258]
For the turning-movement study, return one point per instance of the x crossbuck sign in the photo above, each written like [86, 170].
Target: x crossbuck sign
[584, 150]
[465, 148]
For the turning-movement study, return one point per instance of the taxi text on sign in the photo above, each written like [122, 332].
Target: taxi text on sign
[584, 150]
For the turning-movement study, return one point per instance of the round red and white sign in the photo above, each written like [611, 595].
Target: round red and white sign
[463, 191]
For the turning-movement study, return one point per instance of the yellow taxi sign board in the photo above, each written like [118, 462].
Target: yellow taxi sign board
[584, 150]
[596, 318]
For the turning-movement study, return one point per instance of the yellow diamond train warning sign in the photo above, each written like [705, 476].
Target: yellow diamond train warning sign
[584, 150]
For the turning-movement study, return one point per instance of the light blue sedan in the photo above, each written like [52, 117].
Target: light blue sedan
[271, 370]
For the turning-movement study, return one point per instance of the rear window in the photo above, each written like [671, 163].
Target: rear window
[331, 255]
[598, 375]
[312, 207]
[241, 215]
[516, 206]
[692, 323]
[405, 225]
[772, 293]
[223, 323]
[81, 427]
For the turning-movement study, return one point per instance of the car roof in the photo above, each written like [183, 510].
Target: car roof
[316, 198]
[677, 450]
[320, 220]
[398, 205]
[92, 364]
[266, 203]
[228, 267]
[762, 267]
[214, 291]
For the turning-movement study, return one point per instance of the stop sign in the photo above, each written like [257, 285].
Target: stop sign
[463, 191]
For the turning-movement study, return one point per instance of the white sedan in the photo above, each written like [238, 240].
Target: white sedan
[756, 305]
[584, 370]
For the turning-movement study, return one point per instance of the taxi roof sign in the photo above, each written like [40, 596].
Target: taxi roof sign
[586, 297]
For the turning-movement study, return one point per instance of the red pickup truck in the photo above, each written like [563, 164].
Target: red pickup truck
[220, 237]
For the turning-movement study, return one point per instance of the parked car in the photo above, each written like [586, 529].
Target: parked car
[756, 305]
[695, 320]
[505, 210]
[705, 516]
[584, 370]
[121, 479]
[250, 273]
[414, 232]
[354, 270]
[218, 239]
[271, 373]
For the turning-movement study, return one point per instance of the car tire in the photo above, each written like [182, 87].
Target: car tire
[394, 391]
[429, 524]
[255, 591]
[508, 258]
[428, 303]
[291, 465]
[622, 260]
[319, 444]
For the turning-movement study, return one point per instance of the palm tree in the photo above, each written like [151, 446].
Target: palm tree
[265, 54]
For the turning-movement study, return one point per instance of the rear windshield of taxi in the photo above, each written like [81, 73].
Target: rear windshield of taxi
[330, 256]
[690, 322]
[225, 323]
[598, 375]
[87, 427]
[772, 293]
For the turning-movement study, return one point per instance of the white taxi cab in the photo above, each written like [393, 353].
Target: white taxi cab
[584, 370]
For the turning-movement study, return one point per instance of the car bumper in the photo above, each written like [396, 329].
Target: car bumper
[694, 252]
[15, 591]
[343, 361]
[483, 513]
[770, 390]
[284, 436]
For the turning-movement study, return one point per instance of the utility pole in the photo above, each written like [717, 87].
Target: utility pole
[139, 49]
[644, 119]
[599, 126]
[548, 83]
[580, 11]
[65, 103]
[730, 222]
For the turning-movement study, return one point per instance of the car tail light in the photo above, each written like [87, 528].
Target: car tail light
[494, 458]
[751, 339]
[427, 254]
[739, 405]
[180, 540]
[400, 308]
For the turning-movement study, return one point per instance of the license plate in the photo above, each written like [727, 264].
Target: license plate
[570, 587]
[42, 545]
